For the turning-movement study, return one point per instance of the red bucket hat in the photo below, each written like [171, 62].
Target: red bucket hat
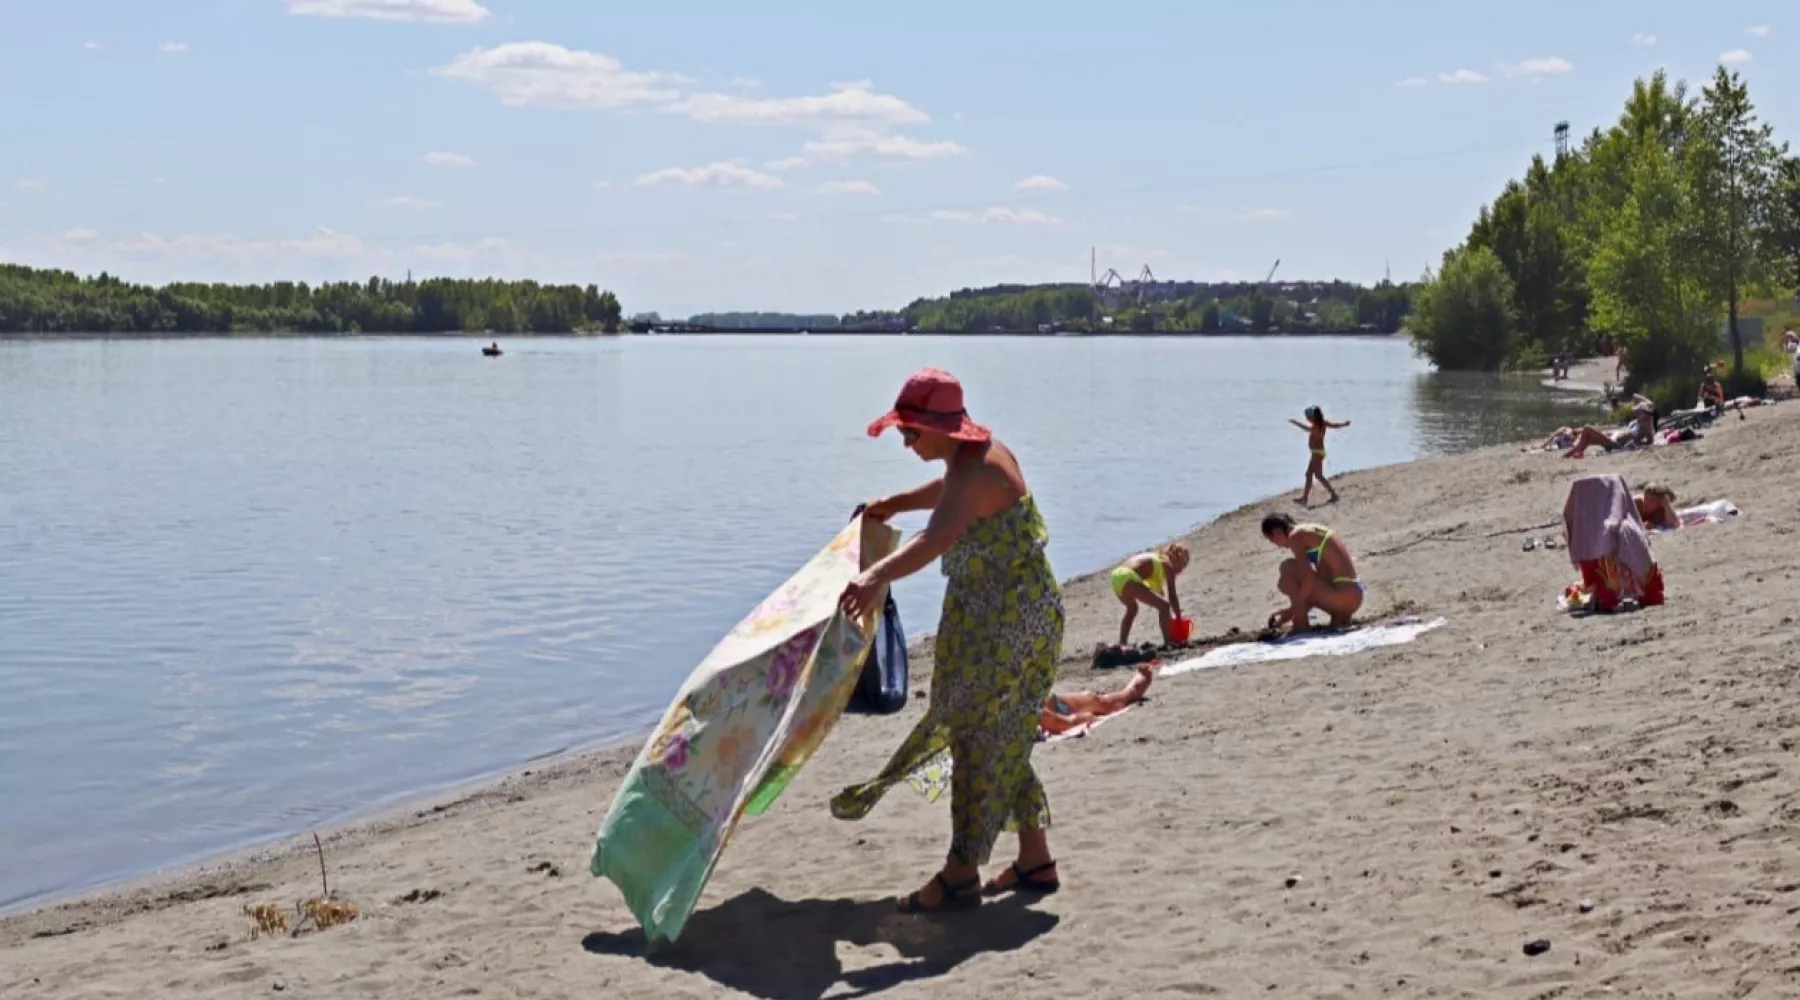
[931, 400]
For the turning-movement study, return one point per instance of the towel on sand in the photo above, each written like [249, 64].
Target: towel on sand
[744, 722]
[1601, 522]
[1294, 647]
[1707, 513]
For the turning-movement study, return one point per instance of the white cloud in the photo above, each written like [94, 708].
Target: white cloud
[1461, 76]
[997, 215]
[846, 105]
[1039, 182]
[406, 201]
[1643, 39]
[323, 243]
[1759, 31]
[1735, 57]
[29, 184]
[1265, 214]
[1543, 66]
[603, 185]
[448, 160]
[91, 46]
[541, 74]
[1412, 81]
[729, 173]
[173, 47]
[861, 188]
[787, 163]
[845, 144]
[423, 11]
[782, 217]
[1019, 217]
[463, 253]
[81, 237]
[745, 82]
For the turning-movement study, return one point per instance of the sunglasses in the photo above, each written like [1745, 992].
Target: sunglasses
[909, 436]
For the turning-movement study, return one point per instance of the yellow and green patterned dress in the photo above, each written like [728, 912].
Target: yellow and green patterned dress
[998, 643]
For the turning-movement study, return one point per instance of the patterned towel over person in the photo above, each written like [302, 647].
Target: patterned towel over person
[744, 722]
[1607, 540]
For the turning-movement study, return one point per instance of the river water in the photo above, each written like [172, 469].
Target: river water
[250, 586]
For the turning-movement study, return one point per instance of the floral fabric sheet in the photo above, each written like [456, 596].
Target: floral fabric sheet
[743, 724]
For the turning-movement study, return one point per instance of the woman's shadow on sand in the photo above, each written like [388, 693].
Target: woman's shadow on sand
[771, 948]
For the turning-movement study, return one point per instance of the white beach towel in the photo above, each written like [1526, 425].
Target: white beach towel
[1707, 513]
[1240, 654]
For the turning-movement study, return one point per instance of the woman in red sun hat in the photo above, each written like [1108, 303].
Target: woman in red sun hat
[998, 643]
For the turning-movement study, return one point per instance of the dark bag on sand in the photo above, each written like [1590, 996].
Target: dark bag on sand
[881, 689]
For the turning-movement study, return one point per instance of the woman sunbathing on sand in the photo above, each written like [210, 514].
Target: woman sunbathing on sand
[1641, 432]
[1063, 712]
[1559, 439]
[1144, 579]
[1320, 574]
[1656, 507]
[1315, 428]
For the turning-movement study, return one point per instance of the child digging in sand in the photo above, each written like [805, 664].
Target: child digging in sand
[1315, 439]
[1137, 581]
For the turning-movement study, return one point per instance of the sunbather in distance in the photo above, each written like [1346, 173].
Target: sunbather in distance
[1640, 433]
[1656, 507]
[1065, 711]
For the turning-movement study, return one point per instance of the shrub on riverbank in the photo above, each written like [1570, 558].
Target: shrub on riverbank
[1465, 318]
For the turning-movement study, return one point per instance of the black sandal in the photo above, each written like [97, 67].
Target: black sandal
[955, 898]
[1023, 882]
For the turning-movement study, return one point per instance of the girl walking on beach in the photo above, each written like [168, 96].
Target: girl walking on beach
[1148, 578]
[998, 642]
[1315, 428]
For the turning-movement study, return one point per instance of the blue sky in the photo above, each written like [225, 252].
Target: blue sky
[805, 155]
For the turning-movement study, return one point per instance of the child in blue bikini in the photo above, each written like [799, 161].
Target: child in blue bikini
[1318, 574]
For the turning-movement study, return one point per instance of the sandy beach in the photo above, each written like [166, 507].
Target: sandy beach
[1399, 822]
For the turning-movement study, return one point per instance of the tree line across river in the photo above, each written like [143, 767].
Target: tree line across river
[44, 301]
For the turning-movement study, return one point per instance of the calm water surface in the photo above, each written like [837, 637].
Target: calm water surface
[252, 586]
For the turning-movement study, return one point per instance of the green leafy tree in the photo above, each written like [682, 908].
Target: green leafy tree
[1648, 287]
[1262, 311]
[1737, 196]
[1209, 318]
[1788, 239]
[1527, 228]
[1465, 318]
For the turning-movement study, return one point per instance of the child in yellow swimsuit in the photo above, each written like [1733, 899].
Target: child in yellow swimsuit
[1315, 428]
[1144, 579]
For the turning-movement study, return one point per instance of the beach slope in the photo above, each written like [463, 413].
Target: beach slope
[1399, 822]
